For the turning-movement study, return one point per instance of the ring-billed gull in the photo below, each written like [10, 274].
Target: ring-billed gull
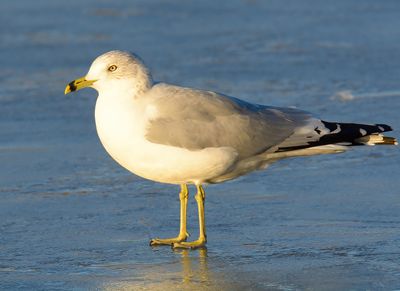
[178, 135]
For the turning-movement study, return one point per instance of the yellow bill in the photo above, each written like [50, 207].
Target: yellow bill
[78, 84]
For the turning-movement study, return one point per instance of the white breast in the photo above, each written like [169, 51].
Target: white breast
[121, 126]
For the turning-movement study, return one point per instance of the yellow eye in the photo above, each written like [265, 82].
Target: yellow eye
[112, 68]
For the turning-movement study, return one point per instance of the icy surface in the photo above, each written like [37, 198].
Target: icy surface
[71, 218]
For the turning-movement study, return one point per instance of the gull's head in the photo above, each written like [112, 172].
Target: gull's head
[115, 69]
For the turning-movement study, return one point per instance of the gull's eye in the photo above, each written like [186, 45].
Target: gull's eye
[112, 68]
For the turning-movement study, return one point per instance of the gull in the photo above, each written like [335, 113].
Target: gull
[185, 136]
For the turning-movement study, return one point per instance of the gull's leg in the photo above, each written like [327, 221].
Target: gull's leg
[201, 241]
[183, 197]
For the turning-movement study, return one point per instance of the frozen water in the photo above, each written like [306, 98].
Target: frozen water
[71, 218]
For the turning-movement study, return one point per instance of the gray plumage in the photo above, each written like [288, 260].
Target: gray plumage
[196, 119]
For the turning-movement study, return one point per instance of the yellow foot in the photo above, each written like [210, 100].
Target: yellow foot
[200, 243]
[167, 241]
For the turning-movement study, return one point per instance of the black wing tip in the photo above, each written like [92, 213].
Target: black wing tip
[384, 127]
[349, 133]
[369, 127]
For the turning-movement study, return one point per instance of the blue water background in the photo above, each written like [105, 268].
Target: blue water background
[71, 218]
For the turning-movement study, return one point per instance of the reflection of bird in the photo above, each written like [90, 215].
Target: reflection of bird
[190, 274]
[177, 135]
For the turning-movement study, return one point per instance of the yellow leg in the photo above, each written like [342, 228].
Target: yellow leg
[201, 241]
[183, 196]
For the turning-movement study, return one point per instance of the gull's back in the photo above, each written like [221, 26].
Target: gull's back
[197, 119]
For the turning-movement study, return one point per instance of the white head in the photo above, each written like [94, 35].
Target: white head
[114, 69]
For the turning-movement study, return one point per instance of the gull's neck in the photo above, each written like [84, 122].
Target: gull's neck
[119, 117]
[128, 88]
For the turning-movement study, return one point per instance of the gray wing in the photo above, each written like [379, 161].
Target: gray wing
[195, 119]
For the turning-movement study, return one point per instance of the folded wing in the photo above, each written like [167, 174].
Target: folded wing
[195, 119]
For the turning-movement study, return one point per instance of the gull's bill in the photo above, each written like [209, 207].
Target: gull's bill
[78, 84]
